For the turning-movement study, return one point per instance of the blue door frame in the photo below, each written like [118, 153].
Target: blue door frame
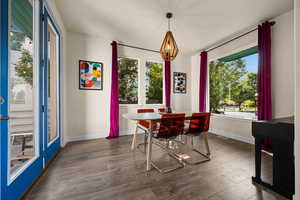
[14, 189]
[52, 149]
[3, 94]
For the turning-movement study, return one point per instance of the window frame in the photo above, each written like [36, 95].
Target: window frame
[215, 58]
[139, 79]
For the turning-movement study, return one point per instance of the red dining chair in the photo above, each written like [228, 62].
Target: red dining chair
[162, 110]
[199, 125]
[142, 124]
[170, 126]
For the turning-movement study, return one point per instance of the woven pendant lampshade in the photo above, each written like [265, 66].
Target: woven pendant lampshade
[169, 49]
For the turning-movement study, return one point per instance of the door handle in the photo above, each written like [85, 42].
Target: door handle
[3, 118]
[2, 101]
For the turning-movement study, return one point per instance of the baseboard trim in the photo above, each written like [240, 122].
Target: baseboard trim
[232, 136]
[97, 136]
[130, 132]
[84, 137]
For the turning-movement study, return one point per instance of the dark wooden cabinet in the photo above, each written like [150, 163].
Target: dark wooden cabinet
[281, 133]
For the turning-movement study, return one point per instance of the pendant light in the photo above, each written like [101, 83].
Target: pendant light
[169, 49]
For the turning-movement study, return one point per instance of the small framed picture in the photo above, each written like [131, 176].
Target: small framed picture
[179, 82]
[90, 75]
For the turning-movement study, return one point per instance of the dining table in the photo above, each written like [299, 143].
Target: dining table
[151, 118]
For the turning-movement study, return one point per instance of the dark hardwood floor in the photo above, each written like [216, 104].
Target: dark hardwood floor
[107, 169]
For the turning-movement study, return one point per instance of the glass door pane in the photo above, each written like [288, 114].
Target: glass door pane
[52, 82]
[22, 91]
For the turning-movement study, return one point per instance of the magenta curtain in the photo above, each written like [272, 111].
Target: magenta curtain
[168, 83]
[203, 81]
[114, 99]
[264, 99]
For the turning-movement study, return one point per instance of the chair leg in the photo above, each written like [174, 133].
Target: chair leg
[166, 147]
[134, 138]
[163, 171]
[146, 132]
[23, 144]
[206, 144]
[205, 155]
[12, 140]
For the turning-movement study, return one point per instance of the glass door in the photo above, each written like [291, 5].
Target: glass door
[51, 83]
[21, 160]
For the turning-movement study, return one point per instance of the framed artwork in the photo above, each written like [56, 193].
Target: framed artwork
[90, 75]
[179, 82]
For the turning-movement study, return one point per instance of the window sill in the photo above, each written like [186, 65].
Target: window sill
[140, 105]
[129, 105]
[233, 117]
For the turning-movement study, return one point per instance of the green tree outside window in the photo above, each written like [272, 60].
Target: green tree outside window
[231, 86]
[128, 81]
[154, 83]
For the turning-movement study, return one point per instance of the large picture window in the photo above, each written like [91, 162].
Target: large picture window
[154, 83]
[232, 84]
[128, 81]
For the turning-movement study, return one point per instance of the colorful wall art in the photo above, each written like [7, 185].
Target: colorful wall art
[90, 75]
[179, 83]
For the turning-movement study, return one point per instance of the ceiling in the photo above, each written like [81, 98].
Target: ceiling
[196, 23]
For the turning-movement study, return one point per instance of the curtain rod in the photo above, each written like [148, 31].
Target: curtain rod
[235, 38]
[140, 48]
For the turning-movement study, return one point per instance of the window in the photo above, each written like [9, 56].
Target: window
[22, 143]
[129, 76]
[232, 84]
[154, 83]
[128, 81]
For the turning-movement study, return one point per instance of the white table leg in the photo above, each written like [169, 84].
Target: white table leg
[149, 147]
[134, 137]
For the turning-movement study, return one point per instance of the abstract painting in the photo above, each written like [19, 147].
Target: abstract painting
[90, 75]
[179, 83]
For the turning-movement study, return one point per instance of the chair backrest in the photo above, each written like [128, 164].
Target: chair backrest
[143, 122]
[143, 110]
[171, 125]
[162, 110]
[199, 123]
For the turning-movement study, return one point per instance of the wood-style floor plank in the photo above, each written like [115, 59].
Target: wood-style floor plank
[107, 169]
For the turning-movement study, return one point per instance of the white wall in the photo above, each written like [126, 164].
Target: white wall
[283, 65]
[297, 95]
[182, 102]
[282, 77]
[87, 112]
